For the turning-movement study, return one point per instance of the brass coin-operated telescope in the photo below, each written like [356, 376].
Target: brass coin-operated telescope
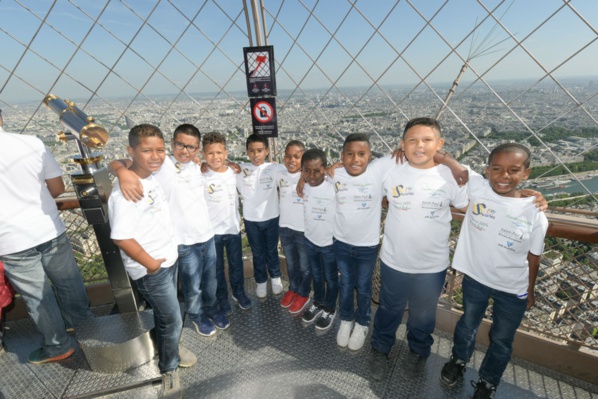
[121, 341]
[80, 127]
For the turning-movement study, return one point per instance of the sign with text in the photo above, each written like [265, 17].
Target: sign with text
[259, 71]
[263, 116]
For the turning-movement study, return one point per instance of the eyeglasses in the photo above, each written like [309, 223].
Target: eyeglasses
[180, 146]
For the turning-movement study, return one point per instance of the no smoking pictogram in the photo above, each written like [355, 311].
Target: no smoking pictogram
[263, 112]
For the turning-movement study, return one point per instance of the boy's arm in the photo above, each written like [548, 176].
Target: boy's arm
[136, 252]
[300, 185]
[534, 264]
[460, 172]
[129, 182]
[540, 201]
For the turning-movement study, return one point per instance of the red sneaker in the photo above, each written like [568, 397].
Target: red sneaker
[288, 299]
[299, 304]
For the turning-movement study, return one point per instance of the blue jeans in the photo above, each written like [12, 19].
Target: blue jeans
[234, 256]
[325, 275]
[356, 265]
[421, 291]
[507, 313]
[50, 305]
[293, 247]
[197, 266]
[159, 290]
[263, 240]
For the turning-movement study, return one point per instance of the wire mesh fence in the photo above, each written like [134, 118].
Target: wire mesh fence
[342, 67]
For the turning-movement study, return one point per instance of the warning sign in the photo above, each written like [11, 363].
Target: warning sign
[259, 70]
[263, 116]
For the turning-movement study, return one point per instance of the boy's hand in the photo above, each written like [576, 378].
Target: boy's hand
[399, 155]
[130, 185]
[197, 161]
[461, 175]
[531, 300]
[234, 166]
[540, 201]
[203, 167]
[330, 169]
[299, 188]
[155, 266]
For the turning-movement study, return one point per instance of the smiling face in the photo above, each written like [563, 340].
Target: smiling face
[314, 172]
[292, 158]
[257, 153]
[147, 156]
[506, 171]
[356, 156]
[215, 155]
[185, 147]
[420, 143]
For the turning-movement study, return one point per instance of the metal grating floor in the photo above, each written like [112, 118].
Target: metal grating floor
[267, 353]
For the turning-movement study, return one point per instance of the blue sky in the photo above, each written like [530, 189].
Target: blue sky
[402, 31]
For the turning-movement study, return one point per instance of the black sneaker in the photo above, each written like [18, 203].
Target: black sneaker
[483, 390]
[414, 365]
[242, 300]
[378, 365]
[325, 320]
[312, 313]
[452, 371]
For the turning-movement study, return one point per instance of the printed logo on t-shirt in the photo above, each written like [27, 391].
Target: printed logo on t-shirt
[480, 209]
[246, 172]
[282, 183]
[340, 187]
[213, 188]
[401, 191]
[508, 245]
[513, 235]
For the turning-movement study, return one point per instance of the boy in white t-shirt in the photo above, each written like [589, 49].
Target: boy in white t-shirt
[415, 252]
[144, 233]
[257, 184]
[223, 207]
[319, 203]
[183, 184]
[292, 228]
[358, 189]
[499, 250]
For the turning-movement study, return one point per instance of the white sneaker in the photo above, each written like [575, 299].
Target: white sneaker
[344, 332]
[276, 286]
[358, 337]
[261, 290]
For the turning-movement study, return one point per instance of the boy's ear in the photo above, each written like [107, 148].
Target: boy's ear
[131, 151]
[440, 144]
[526, 173]
[402, 145]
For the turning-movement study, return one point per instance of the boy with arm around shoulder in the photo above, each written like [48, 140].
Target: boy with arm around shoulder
[415, 252]
[499, 250]
[144, 233]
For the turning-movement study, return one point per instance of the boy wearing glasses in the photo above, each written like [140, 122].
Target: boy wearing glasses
[183, 184]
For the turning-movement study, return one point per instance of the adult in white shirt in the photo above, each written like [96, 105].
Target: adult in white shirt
[34, 248]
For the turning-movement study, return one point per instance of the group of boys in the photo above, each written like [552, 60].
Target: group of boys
[164, 208]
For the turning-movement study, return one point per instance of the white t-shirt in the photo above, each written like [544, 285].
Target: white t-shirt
[223, 201]
[319, 205]
[291, 205]
[418, 227]
[258, 188]
[147, 221]
[358, 203]
[28, 215]
[497, 235]
[183, 186]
